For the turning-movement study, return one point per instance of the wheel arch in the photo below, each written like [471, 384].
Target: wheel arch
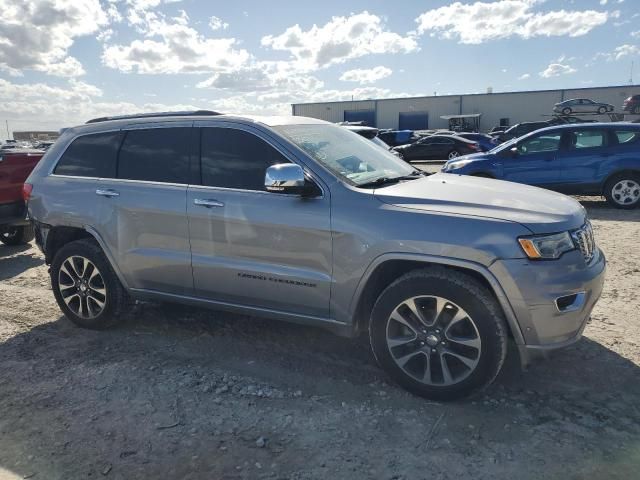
[387, 268]
[59, 236]
[633, 171]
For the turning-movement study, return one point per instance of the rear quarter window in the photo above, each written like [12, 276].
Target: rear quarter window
[627, 136]
[91, 155]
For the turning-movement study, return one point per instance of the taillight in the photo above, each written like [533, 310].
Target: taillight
[27, 188]
[475, 146]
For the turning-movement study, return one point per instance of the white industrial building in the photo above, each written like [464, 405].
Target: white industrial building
[416, 113]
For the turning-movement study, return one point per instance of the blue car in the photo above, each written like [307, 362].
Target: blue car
[583, 159]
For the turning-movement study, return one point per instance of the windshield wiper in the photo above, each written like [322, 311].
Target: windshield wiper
[379, 182]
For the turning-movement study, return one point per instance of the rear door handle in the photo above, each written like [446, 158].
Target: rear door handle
[107, 192]
[207, 202]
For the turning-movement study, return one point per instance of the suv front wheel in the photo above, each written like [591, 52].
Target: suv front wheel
[438, 333]
[86, 287]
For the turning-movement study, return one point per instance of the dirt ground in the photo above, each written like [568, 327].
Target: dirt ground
[184, 393]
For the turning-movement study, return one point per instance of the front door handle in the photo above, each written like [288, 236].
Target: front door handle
[207, 202]
[107, 192]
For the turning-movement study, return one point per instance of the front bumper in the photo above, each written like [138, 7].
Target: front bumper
[533, 289]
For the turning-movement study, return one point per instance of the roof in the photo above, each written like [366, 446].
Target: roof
[106, 123]
[493, 94]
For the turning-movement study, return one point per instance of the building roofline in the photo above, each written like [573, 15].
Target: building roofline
[467, 95]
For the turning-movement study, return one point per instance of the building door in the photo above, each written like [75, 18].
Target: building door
[413, 120]
[368, 117]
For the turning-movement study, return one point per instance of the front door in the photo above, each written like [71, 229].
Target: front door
[535, 161]
[251, 247]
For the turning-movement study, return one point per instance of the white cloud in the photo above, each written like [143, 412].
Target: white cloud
[603, 2]
[557, 69]
[37, 34]
[42, 106]
[524, 76]
[340, 39]
[216, 23]
[618, 53]
[366, 75]
[483, 21]
[635, 34]
[171, 46]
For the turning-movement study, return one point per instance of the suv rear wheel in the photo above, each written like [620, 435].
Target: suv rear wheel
[17, 235]
[623, 190]
[86, 287]
[438, 333]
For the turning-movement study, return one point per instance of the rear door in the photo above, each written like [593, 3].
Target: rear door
[251, 247]
[535, 161]
[583, 152]
[143, 216]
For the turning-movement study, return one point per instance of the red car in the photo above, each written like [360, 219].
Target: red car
[632, 104]
[15, 167]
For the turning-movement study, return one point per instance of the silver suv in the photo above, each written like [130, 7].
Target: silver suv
[297, 219]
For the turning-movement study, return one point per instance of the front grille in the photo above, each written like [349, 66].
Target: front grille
[583, 238]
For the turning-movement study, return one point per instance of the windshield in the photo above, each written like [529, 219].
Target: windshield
[352, 158]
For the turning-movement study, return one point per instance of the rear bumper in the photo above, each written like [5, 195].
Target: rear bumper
[551, 300]
[13, 214]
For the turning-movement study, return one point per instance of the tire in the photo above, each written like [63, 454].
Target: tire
[480, 321]
[67, 276]
[17, 235]
[636, 109]
[453, 154]
[566, 111]
[623, 191]
[602, 110]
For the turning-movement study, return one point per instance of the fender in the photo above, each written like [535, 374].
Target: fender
[444, 261]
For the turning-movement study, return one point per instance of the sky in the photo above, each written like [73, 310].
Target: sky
[63, 62]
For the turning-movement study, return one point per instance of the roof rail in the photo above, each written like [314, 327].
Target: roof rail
[187, 113]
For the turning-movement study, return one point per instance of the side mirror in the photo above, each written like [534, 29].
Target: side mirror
[285, 178]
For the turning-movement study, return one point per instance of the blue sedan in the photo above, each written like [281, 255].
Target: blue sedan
[593, 159]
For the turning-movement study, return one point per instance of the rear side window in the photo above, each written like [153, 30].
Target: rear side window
[581, 139]
[235, 159]
[627, 136]
[155, 155]
[91, 156]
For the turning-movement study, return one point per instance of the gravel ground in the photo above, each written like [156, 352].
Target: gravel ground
[176, 392]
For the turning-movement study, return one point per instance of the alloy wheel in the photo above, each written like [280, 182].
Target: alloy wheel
[453, 154]
[433, 340]
[82, 287]
[626, 192]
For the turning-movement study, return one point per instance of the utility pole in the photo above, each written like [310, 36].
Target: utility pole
[7, 124]
[631, 76]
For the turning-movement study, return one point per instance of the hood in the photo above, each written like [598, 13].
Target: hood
[541, 211]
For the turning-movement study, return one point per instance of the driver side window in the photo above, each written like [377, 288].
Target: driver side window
[232, 158]
[549, 142]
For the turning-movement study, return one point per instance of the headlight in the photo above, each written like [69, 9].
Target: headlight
[456, 165]
[547, 246]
